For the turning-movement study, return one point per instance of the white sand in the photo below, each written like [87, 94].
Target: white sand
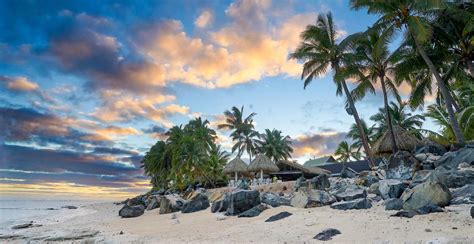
[361, 226]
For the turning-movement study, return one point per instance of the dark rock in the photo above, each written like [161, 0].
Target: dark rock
[391, 188]
[463, 195]
[453, 159]
[242, 200]
[196, 203]
[472, 212]
[347, 173]
[393, 204]
[219, 205]
[69, 207]
[366, 178]
[153, 202]
[171, 204]
[401, 166]
[298, 183]
[320, 182]
[350, 192]
[428, 193]
[423, 210]
[253, 212]
[405, 214]
[131, 211]
[361, 203]
[452, 177]
[25, 226]
[327, 234]
[431, 147]
[274, 200]
[309, 198]
[138, 200]
[279, 216]
[374, 189]
[420, 176]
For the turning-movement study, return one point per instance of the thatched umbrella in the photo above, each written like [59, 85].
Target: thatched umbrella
[262, 163]
[235, 166]
[405, 141]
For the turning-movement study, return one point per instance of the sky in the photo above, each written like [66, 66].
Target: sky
[86, 87]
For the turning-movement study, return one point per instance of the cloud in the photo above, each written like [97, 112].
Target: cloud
[204, 19]
[156, 132]
[317, 144]
[19, 83]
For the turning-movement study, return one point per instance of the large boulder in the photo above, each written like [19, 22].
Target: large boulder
[299, 183]
[347, 173]
[253, 212]
[452, 177]
[171, 204]
[196, 203]
[374, 189]
[131, 211]
[391, 188]
[367, 178]
[153, 202]
[220, 205]
[308, 198]
[393, 204]
[349, 192]
[242, 200]
[428, 193]
[420, 176]
[453, 159]
[320, 182]
[274, 200]
[361, 203]
[431, 147]
[463, 195]
[401, 165]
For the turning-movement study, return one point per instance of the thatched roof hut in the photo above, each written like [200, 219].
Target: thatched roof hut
[263, 164]
[236, 166]
[405, 141]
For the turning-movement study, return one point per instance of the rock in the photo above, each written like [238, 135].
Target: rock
[453, 159]
[361, 203]
[320, 182]
[216, 195]
[25, 226]
[131, 211]
[242, 200]
[171, 204]
[405, 214]
[309, 198]
[428, 193]
[219, 206]
[391, 188]
[76, 235]
[431, 147]
[253, 212]
[367, 179]
[347, 173]
[374, 189]
[153, 202]
[274, 200]
[278, 216]
[196, 203]
[138, 200]
[327, 234]
[158, 192]
[421, 156]
[472, 212]
[401, 166]
[350, 192]
[298, 183]
[452, 177]
[393, 204]
[463, 195]
[244, 185]
[69, 207]
[424, 210]
[420, 176]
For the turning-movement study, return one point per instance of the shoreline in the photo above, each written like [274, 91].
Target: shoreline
[365, 226]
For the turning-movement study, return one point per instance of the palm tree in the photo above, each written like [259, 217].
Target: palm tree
[375, 63]
[156, 165]
[346, 152]
[247, 141]
[274, 145]
[414, 17]
[235, 121]
[320, 52]
[212, 170]
[355, 136]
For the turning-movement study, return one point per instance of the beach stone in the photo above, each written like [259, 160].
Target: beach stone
[320, 182]
[405, 214]
[153, 202]
[242, 200]
[401, 166]
[327, 234]
[463, 195]
[453, 177]
[298, 183]
[309, 198]
[131, 211]
[253, 212]
[69, 207]
[367, 178]
[430, 147]
[361, 203]
[423, 210]
[138, 200]
[274, 200]
[393, 204]
[219, 206]
[279, 216]
[25, 226]
[428, 193]
[346, 173]
[374, 189]
[196, 203]
[453, 159]
[350, 192]
[171, 204]
[391, 188]
[421, 156]
[420, 176]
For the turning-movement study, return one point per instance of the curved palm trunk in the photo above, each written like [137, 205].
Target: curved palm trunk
[389, 117]
[444, 91]
[363, 136]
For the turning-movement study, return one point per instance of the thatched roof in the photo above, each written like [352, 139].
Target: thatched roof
[304, 169]
[235, 165]
[405, 141]
[262, 162]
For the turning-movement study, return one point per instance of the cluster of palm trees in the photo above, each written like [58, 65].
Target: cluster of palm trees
[437, 48]
[246, 139]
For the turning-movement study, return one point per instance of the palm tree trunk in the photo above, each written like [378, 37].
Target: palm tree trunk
[389, 117]
[363, 136]
[470, 67]
[444, 91]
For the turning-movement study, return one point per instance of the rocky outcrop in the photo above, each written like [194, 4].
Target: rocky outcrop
[219, 205]
[197, 202]
[274, 200]
[367, 178]
[453, 159]
[253, 212]
[242, 200]
[131, 211]
[153, 202]
[463, 195]
[393, 204]
[453, 177]
[428, 193]
[349, 192]
[401, 166]
[361, 203]
[171, 204]
[391, 188]
[309, 198]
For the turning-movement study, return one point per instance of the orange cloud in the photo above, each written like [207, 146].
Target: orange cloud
[204, 19]
[19, 83]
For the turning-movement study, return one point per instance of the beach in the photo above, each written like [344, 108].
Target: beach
[100, 223]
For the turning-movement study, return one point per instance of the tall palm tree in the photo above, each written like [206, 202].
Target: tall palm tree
[355, 136]
[242, 128]
[375, 63]
[274, 145]
[320, 51]
[346, 152]
[247, 141]
[414, 17]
